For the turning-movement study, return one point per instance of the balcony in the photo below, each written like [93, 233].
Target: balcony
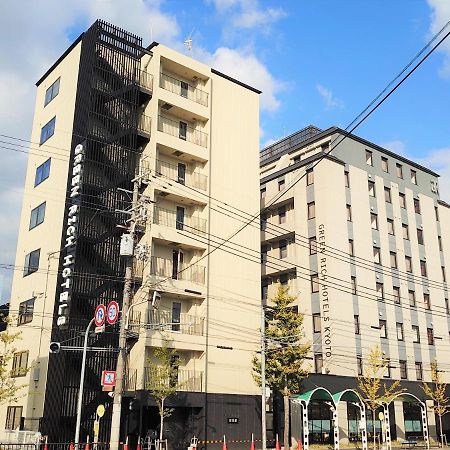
[189, 178]
[168, 218]
[183, 89]
[164, 321]
[187, 380]
[162, 267]
[182, 131]
[145, 80]
[144, 125]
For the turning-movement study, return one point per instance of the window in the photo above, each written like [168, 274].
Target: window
[359, 365]
[309, 177]
[37, 215]
[388, 368]
[315, 283]
[390, 224]
[369, 158]
[387, 195]
[412, 298]
[318, 362]
[399, 169]
[420, 236]
[440, 243]
[423, 268]
[312, 245]
[436, 212]
[376, 255]
[403, 370]
[416, 334]
[184, 89]
[402, 198]
[400, 335]
[263, 222]
[20, 364]
[353, 283]
[26, 309]
[408, 263]
[264, 250]
[282, 215]
[416, 206]
[426, 301]
[42, 172]
[384, 164]
[371, 186]
[349, 213]
[47, 131]
[383, 328]
[419, 371]
[351, 248]
[296, 159]
[317, 327]
[179, 220]
[393, 256]
[264, 291]
[447, 306]
[311, 210]
[413, 176]
[347, 179]
[13, 417]
[405, 231]
[181, 173]
[31, 262]
[176, 316]
[444, 277]
[430, 336]
[357, 328]
[374, 221]
[396, 291]
[52, 92]
[182, 130]
[263, 193]
[283, 249]
[380, 291]
[281, 185]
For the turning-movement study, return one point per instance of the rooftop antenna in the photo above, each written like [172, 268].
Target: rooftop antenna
[188, 41]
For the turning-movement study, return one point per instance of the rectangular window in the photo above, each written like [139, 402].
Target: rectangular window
[447, 306]
[52, 92]
[264, 291]
[403, 370]
[399, 169]
[388, 368]
[408, 263]
[357, 328]
[282, 215]
[176, 316]
[393, 257]
[349, 213]
[37, 215]
[359, 365]
[436, 212]
[13, 417]
[405, 231]
[283, 249]
[315, 283]
[31, 262]
[354, 286]
[311, 210]
[440, 243]
[309, 177]
[376, 255]
[264, 250]
[400, 335]
[263, 193]
[423, 268]
[430, 336]
[383, 328]
[416, 206]
[318, 362]
[26, 309]
[380, 291]
[384, 164]
[179, 221]
[312, 245]
[419, 236]
[47, 131]
[184, 89]
[181, 173]
[419, 371]
[42, 172]
[390, 224]
[351, 249]
[20, 364]
[182, 130]
[427, 301]
[263, 222]
[413, 176]
[396, 291]
[444, 277]
[371, 187]
[416, 334]
[412, 298]
[374, 221]
[402, 198]
[347, 179]
[369, 158]
[317, 325]
[281, 185]
[387, 195]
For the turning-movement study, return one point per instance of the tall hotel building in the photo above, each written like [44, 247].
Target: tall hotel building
[110, 115]
[361, 237]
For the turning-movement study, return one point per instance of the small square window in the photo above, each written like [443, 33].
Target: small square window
[405, 229]
[309, 177]
[349, 213]
[376, 255]
[416, 206]
[402, 198]
[20, 364]
[396, 291]
[26, 310]
[384, 164]
[390, 224]
[399, 169]
[416, 334]
[314, 283]
[387, 194]
[42, 172]
[37, 215]
[412, 298]
[52, 92]
[393, 256]
[317, 324]
[47, 131]
[311, 210]
[31, 262]
[312, 245]
[413, 176]
[369, 158]
[400, 334]
[281, 185]
[371, 186]
[374, 221]
[408, 263]
[420, 236]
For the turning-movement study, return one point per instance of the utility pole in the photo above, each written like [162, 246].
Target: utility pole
[263, 378]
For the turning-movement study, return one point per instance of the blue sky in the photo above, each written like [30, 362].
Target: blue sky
[317, 62]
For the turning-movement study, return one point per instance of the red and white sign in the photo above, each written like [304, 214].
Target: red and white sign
[99, 316]
[108, 378]
[112, 312]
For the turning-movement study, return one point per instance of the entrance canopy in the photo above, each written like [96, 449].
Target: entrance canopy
[319, 393]
[349, 395]
[406, 397]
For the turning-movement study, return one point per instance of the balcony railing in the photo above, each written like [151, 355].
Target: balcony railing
[190, 178]
[145, 80]
[168, 218]
[186, 380]
[163, 267]
[183, 89]
[145, 124]
[185, 324]
[182, 131]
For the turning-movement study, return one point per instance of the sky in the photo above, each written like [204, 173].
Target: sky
[317, 62]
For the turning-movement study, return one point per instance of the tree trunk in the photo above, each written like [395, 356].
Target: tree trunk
[286, 421]
[373, 427]
[440, 431]
[161, 423]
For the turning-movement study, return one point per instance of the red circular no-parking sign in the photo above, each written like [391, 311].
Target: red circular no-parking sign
[99, 316]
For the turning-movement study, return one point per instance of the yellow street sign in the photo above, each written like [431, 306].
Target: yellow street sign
[100, 410]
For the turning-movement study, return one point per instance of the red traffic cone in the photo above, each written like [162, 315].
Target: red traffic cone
[46, 443]
[125, 446]
[86, 447]
[139, 444]
[277, 443]
[72, 446]
[224, 446]
[252, 444]
[299, 444]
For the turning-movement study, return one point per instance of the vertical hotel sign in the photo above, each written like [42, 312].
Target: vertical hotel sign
[70, 236]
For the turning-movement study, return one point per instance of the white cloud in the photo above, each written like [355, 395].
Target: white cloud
[396, 146]
[440, 15]
[439, 161]
[331, 102]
